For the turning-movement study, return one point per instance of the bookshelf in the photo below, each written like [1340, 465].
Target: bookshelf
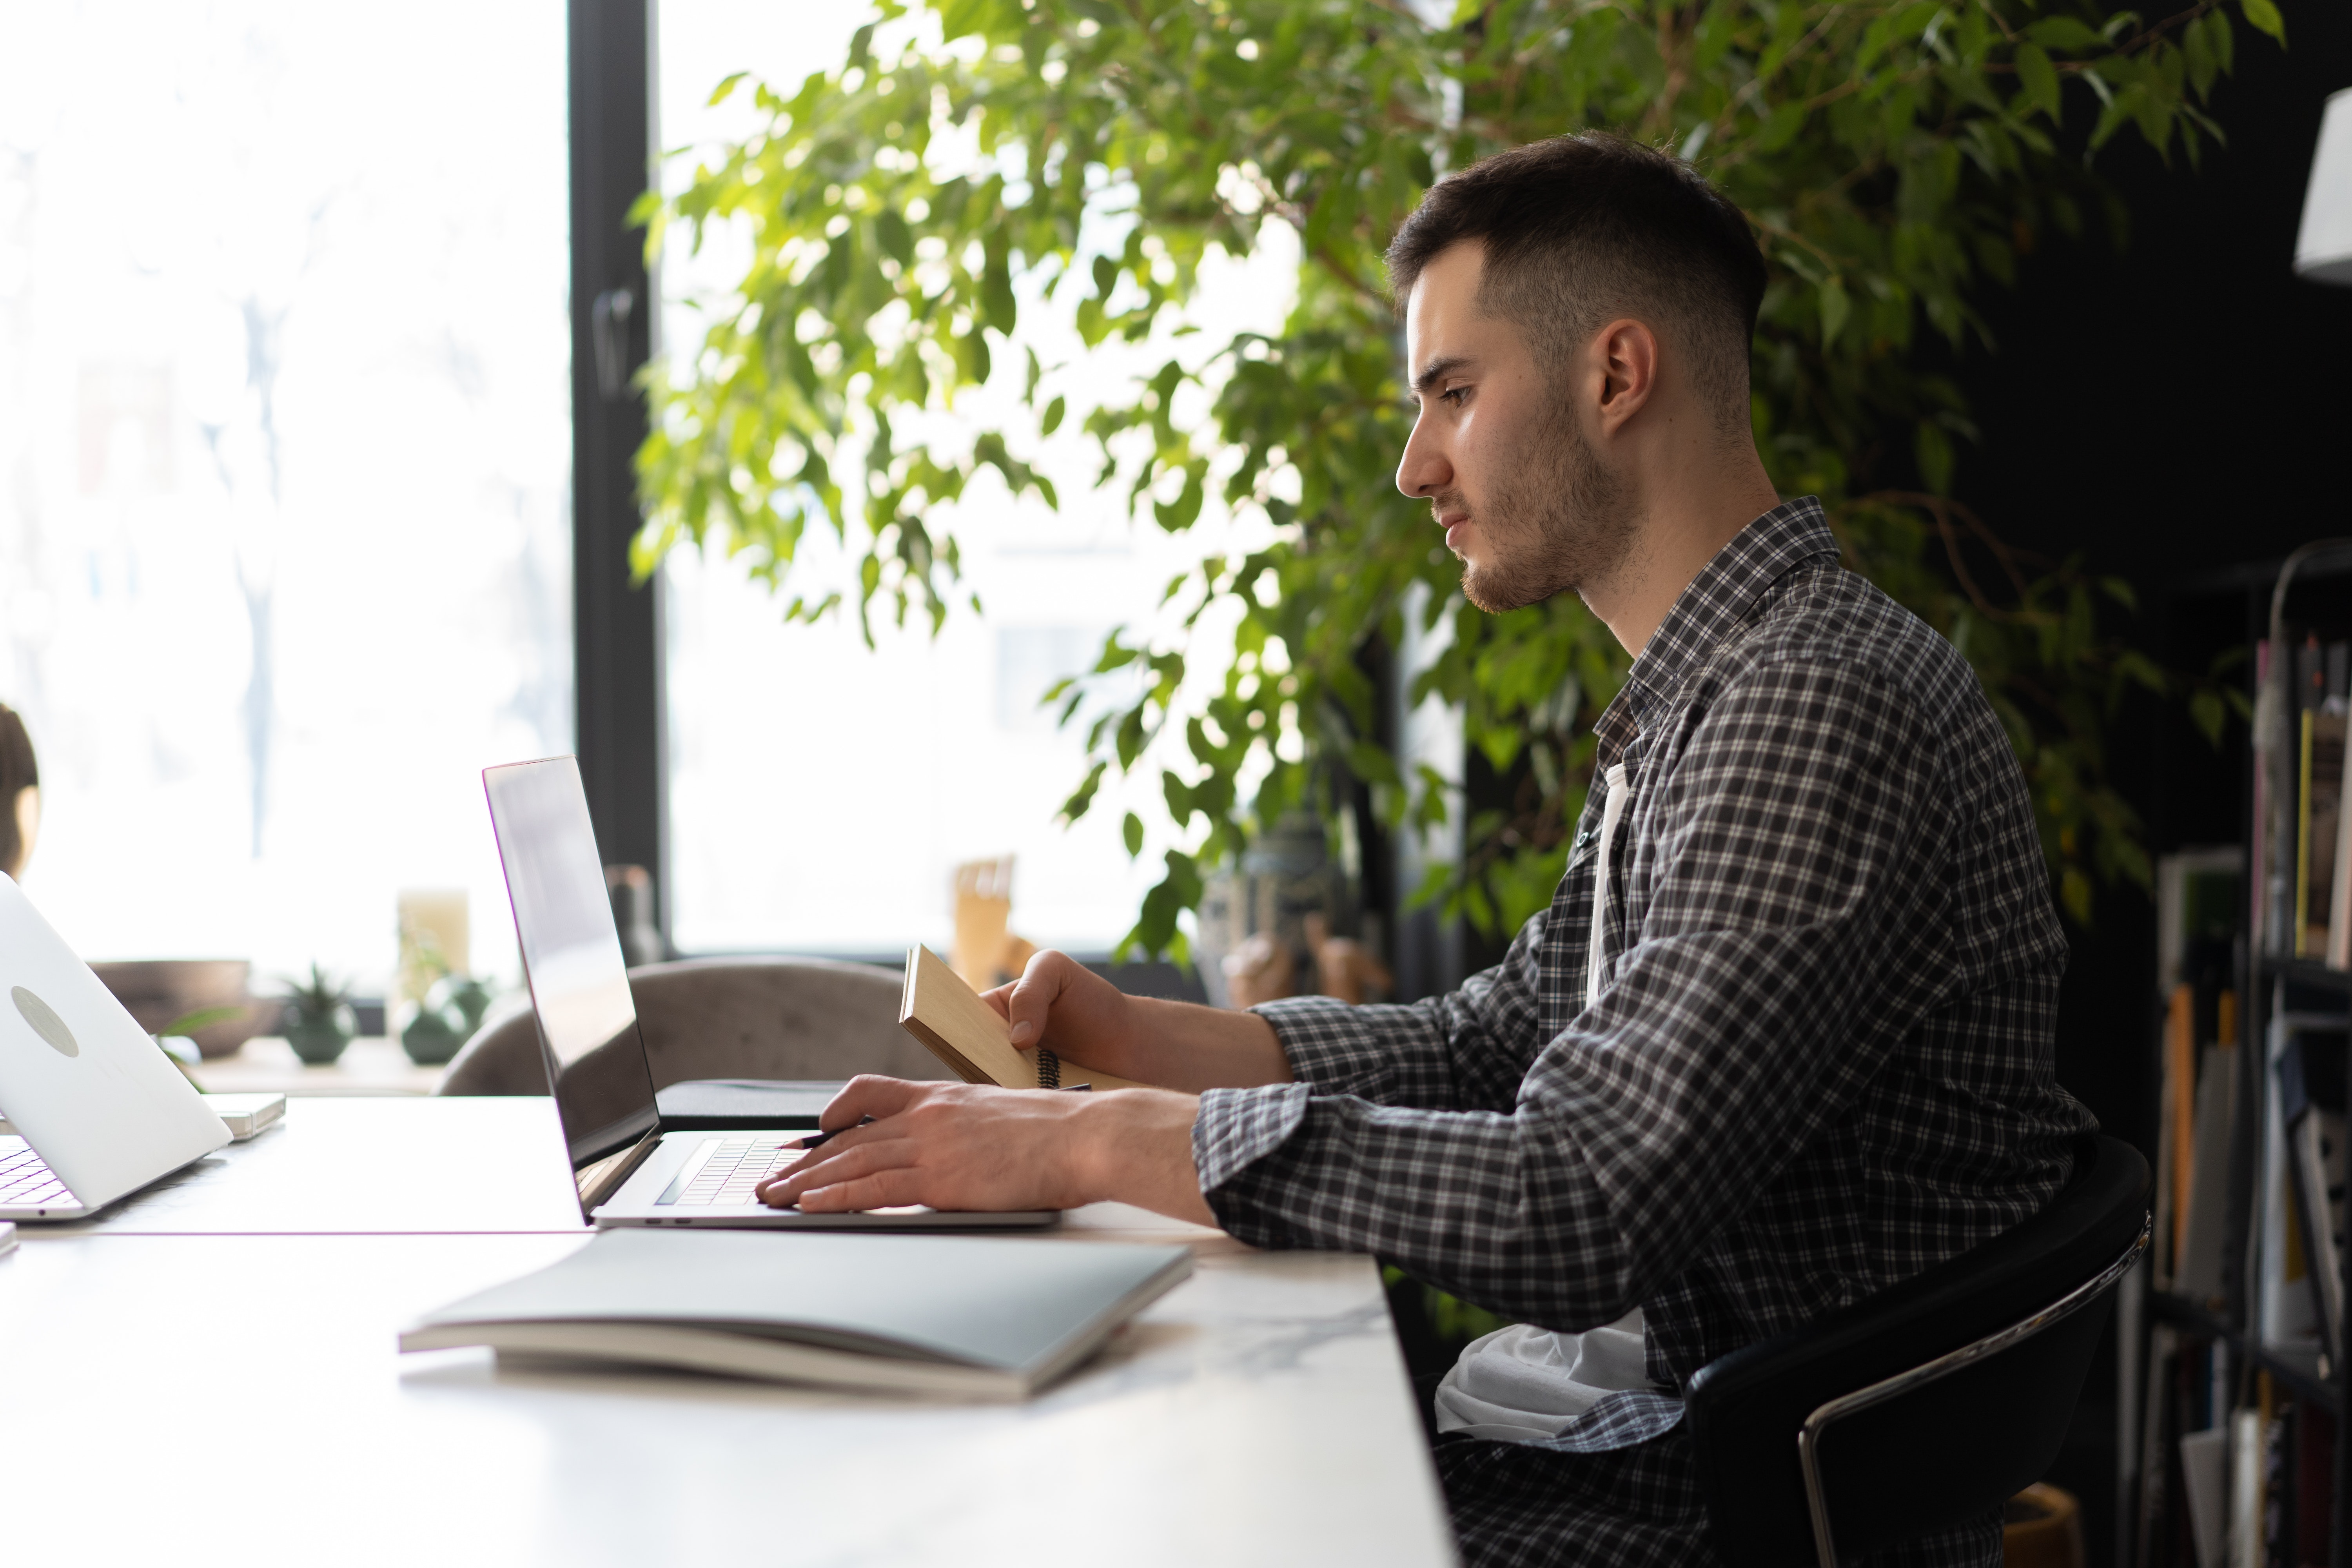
[2232, 1411]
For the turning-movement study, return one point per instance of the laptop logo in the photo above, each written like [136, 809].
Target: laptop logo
[46, 1022]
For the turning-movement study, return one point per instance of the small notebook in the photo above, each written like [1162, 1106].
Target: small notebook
[964, 1032]
[953, 1316]
[245, 1114]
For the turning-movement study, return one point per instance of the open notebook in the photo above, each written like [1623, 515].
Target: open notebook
[964, 1032]
[956, 1316]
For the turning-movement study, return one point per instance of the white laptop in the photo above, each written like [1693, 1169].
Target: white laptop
[98, 1110]
[629, 1170]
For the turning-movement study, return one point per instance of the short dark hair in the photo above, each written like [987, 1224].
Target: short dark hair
[1580, 229]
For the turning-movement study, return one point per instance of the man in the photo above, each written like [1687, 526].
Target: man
[1784, 1035]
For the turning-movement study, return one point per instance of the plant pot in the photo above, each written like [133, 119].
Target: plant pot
[319, 1041]
[431, 1037]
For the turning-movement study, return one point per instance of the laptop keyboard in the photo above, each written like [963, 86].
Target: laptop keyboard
[25, 1183]
[733, 1172]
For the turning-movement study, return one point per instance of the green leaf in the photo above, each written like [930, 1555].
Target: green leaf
[2039, 78]
[1052, 421]
[2265, 18]
[1933, 448]
[2066, 33]
[1781, 126]
[2209, 713]
[1835, 309]
[1132, 831]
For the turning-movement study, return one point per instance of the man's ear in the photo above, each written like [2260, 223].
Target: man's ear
[1625, 357]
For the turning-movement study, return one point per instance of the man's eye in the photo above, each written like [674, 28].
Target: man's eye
[1454, 395]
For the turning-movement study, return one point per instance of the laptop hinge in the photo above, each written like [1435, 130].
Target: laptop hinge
[602, 1178]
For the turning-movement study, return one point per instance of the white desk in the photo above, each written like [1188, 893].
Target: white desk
[366, 1165]
[237, 1399]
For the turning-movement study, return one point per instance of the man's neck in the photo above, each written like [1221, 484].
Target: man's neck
[1686, 519]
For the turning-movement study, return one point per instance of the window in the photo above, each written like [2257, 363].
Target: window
[284, 457]
[820, 794]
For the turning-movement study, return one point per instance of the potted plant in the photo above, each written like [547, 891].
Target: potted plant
[318, 1022]
[446, 1019]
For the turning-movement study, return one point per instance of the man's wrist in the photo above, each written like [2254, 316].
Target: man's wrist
[1135, 1146]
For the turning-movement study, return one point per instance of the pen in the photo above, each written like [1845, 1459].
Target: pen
[818, 1140]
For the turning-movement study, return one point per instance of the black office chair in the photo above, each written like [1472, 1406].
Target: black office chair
[1929, 1402]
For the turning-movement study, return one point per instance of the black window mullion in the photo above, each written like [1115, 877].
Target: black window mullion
[616, 626]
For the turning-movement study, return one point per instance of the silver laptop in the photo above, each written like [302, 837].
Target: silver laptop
[99, 1111]
[628, 1169]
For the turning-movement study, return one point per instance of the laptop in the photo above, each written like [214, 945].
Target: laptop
[628, 1167]
[97, 1110]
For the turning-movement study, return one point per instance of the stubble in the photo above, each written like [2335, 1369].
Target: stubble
[1561, 519]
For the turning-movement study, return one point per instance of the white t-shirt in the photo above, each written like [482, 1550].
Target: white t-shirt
[1522, 1384]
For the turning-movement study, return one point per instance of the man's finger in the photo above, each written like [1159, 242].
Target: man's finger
[859, 1159]
[1032, 998]
[884, 1189]
[867, 1094]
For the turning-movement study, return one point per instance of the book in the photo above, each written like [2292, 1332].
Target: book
[2311, 1102]
[2196, 1271]
[958, 1317]
[938, 1008]
[2179, 1133]
[2282, 1308]
[2204, 1477]
[2319, 795]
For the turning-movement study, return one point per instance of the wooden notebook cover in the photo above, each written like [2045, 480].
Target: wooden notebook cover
[964, 1032]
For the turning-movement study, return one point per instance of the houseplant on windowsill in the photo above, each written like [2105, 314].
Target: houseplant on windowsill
[446, 1019]
[318, 1021]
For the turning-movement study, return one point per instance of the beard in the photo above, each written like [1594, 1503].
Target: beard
[1560, 520]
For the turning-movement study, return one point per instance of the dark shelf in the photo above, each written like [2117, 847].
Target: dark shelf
[2297, 1368]
[2181, 1312]
[2300, 1371]
[2307, 972]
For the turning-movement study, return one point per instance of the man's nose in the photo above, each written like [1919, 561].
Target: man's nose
[1423, 469]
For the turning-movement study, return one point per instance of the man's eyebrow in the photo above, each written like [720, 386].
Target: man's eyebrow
[1437, 370]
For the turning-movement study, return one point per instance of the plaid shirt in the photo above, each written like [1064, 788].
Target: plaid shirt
[1819, 1060]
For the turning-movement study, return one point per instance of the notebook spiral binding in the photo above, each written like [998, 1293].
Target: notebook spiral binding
[1049, 1070]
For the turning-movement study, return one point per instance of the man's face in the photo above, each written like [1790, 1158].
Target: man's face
[1525, 499]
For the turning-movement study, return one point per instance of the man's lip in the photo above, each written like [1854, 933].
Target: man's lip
[1453, 525]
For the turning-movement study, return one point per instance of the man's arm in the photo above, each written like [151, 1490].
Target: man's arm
[973, 1146]
[1061, 1003]
[1747, 1014]
[1468, 1050]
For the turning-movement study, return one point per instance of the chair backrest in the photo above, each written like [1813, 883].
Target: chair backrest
[792, 1019]
[1935, 1454]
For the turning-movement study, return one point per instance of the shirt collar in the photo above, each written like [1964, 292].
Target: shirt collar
[1714, 604]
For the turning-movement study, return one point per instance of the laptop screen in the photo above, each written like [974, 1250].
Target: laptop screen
[571, 958]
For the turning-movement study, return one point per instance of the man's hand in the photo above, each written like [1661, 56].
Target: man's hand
[966, 1146]
[1061, 1003]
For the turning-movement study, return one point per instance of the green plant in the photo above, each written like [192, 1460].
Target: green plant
[184, 1056]
[319, 998]
[1897, 157]
[199, 1018]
